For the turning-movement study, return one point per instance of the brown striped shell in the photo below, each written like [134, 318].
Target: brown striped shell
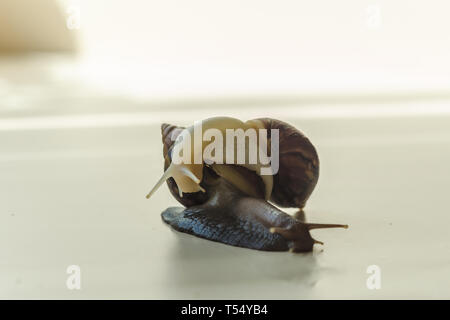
[299, 166]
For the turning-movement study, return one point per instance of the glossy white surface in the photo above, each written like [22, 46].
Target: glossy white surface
[73, 193]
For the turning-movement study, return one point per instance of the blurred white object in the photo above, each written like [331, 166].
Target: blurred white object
[204, 47]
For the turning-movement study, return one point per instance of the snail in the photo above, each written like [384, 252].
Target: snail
[235, 202]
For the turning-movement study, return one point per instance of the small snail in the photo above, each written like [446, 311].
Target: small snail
[229, 202]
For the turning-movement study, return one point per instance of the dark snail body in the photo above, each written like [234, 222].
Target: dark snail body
[224, 213]
[231, 217]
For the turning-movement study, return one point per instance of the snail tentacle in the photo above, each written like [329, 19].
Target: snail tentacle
[185, 179]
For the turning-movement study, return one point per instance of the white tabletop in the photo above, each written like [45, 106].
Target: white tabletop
[73, 184]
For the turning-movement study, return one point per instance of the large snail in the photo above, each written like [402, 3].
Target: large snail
[229, 201]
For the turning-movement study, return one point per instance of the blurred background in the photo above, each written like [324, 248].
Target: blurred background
[84, 86]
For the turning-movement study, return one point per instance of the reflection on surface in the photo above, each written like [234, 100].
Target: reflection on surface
[202, 262]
